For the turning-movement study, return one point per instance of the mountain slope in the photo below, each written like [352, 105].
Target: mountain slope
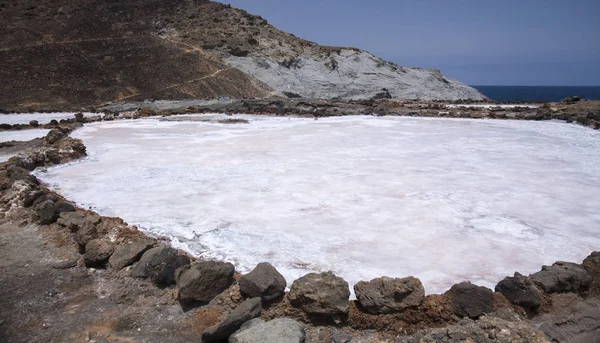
[63, 54]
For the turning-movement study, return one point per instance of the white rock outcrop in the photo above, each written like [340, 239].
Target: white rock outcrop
[350, 74]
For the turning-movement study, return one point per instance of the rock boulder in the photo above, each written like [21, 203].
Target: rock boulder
[31, 197]
[388, 295]
[128, 254]
[15, 173]
[79, 118]
[199, 283]
[471, 301]
[97, 253]
[264, 281]
[54, 136]
[45, 212]
[84, 226]
[245, 311]
[63, 207]
[520, 291]
[592, 264]
[321, 294]
[562, 277]
[159, 264]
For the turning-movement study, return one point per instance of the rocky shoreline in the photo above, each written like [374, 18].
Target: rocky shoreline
[255, 307]
[585, 113]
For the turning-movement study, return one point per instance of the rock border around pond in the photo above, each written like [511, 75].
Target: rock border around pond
[318, 298]
[586, 113]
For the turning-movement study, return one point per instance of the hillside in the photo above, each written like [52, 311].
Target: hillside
[66, 55]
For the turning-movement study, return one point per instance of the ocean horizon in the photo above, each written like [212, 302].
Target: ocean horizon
[538, 93]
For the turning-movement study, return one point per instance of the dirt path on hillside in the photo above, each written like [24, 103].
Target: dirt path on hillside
[187, 82]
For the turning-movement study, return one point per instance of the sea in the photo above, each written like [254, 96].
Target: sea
[538, 93]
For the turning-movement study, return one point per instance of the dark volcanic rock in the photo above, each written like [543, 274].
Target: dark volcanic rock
[245, 311]
[384, 94]
[83, 225]
[54, 136]
[562, 277]
[199, 283]
[264, 281]
[17, 173]
[159, 264]
[71, 149]
[31, 160]
[321, 294]
[40, 200]
[72, 221]
[45, 212]
[85, 234]
[79, 117]
[30, 197]
[63, 207]
[520, 291]
[97, 252]
[292, 95]
[592, 264]
[128, 254]
[388, 295]
[34, 123]
[53, 156]
[471, 301]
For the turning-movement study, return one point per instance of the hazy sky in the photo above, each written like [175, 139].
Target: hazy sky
[480, 42]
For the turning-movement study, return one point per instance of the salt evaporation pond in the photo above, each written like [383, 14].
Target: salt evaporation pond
[441, 199]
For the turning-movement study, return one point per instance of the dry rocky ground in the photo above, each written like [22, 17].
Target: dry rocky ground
[70, 275]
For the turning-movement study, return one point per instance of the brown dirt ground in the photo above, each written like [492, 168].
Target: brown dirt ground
[41, 304]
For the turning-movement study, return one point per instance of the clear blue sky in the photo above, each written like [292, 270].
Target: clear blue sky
[480, 42]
